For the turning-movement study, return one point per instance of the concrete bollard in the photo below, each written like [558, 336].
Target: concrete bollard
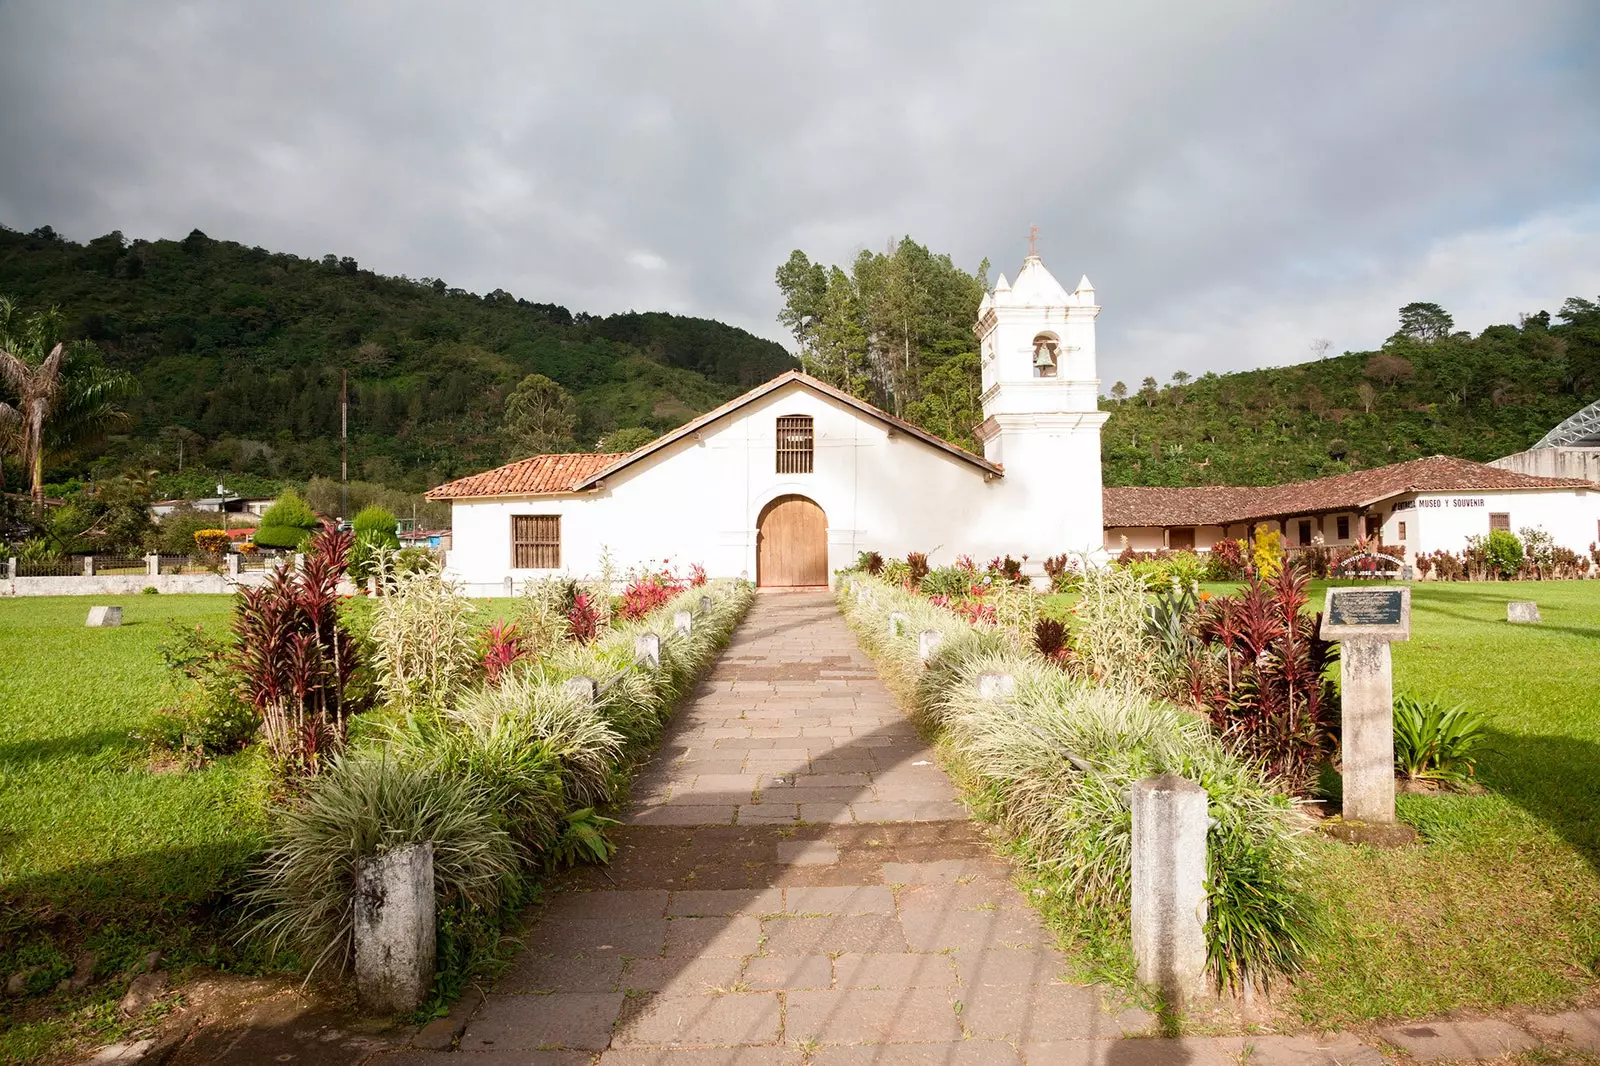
[1366, 730]
[683, 623]
[1522, 611]
[104, 617]
[152, 565]
[394, 929]
[11, 568]
[996, 686]
[705, 605]
[510, 586]
[585, 688]
[233, 564]
[372, 586]
[898, 622]
[1170, 822]
[647, 650]
[928, 642]
[88, 566]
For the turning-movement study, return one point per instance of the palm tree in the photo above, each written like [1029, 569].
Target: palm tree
[62, 397]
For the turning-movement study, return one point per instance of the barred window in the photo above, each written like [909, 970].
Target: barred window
[1500, 520]
[536, 542]
[794, 444]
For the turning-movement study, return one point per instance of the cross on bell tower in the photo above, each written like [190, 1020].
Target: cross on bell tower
[1033, 240]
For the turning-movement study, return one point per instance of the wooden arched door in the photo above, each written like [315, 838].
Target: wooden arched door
[791, 543]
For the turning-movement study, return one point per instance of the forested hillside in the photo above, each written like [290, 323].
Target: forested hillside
[1428, 391]
[238, 350]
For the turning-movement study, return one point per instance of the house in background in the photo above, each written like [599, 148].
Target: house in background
[790, 481]
[1417, 507]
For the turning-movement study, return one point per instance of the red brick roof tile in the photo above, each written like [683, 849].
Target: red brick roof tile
[541, 475]
[1218, 505]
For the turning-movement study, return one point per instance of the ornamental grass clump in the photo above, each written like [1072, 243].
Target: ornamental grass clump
[425, 646]
[568, 725]
[361, 807]
[1056, 760]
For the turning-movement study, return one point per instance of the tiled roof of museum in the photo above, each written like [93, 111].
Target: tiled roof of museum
[541, 475]
[553, 474]
[1215, 505]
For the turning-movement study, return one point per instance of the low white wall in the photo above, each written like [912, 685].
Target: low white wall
[127, 584]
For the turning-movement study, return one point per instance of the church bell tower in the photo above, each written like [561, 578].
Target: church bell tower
[1041, 412]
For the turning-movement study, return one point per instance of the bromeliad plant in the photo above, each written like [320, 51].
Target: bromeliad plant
[295, 658]
[1261, 674]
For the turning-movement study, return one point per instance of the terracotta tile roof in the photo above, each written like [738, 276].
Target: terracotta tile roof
[1229, 504]
[541, 475]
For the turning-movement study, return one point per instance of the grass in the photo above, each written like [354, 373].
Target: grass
[99, 851]
[1501, 906]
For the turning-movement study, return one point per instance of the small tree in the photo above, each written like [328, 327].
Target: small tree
[288, 523]
[374, 529]
[540, 416]
[627, 439]
[1540, 549]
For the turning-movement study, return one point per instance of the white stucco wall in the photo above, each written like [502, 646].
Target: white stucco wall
[698, 500]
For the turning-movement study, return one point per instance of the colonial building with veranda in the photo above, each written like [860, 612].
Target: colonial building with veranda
[790, 481]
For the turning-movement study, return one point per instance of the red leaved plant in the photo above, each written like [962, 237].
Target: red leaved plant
[295, 658]
[583, 618]
[1262, 676]
[502, 649]
[648, 593]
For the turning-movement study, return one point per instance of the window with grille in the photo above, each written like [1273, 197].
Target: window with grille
[536, 542]
[794, 444]
[1343, 524]
[1500, 521]
[1305, 532]
[1402, 533]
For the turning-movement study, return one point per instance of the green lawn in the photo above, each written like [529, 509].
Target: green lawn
[97, 851]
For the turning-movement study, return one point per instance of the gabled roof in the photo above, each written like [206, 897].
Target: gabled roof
[1221, 505]
[541, 475]
[555, 474]
[1035, 286]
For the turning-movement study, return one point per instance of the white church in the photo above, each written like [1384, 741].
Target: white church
[790, 481]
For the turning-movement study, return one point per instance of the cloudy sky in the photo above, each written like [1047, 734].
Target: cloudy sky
[1236, 178]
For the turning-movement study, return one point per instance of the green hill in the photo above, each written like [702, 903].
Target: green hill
[1453, 394]
[238, 352]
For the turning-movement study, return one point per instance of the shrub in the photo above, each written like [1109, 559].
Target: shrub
[288, 523]
[1007, 569]
[358, 808]
[502, 648]
[1226, 561]
[646, 593]
[1261, 678]
[1111, 643]
[1266, 553]
[424, 648]
[1164, 567]
[583, 618]
[1435, 742]
[896, 572]
[869, 562]
[1497, 555]
[1050, 639]
[947, 581]
[1540, 550]
[210, 717]
[916, 568]
[212, 541]
[374, 530]
[296, 657]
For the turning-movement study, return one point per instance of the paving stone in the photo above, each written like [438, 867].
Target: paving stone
[1186, 1051]
[1009, 966]
[974, 930]
[685, 815]
[1579, 1027]
[480, 1058]
[863, 899]
[978, 895]
[957, 1053]
[807, 852]
[1484, 1038]
[885, 1016]
[580, 1020]
[896, 811]
[596, 936]
[780, 973]
[699, 903]
[728, 1056]
[893, 971]
[637, 903]
[942, 871]
[822, 936]
[680, 976]
[826, 814]
[533, 973]
[769, 814]
[860, 779]
[707, 937]
[1031, 1013]
[701, 1021]
[1333, 1049]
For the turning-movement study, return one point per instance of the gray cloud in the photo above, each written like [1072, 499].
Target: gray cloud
[1237, 178]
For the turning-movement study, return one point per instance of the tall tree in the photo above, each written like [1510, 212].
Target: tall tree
[540, 416]
[1425, 322]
